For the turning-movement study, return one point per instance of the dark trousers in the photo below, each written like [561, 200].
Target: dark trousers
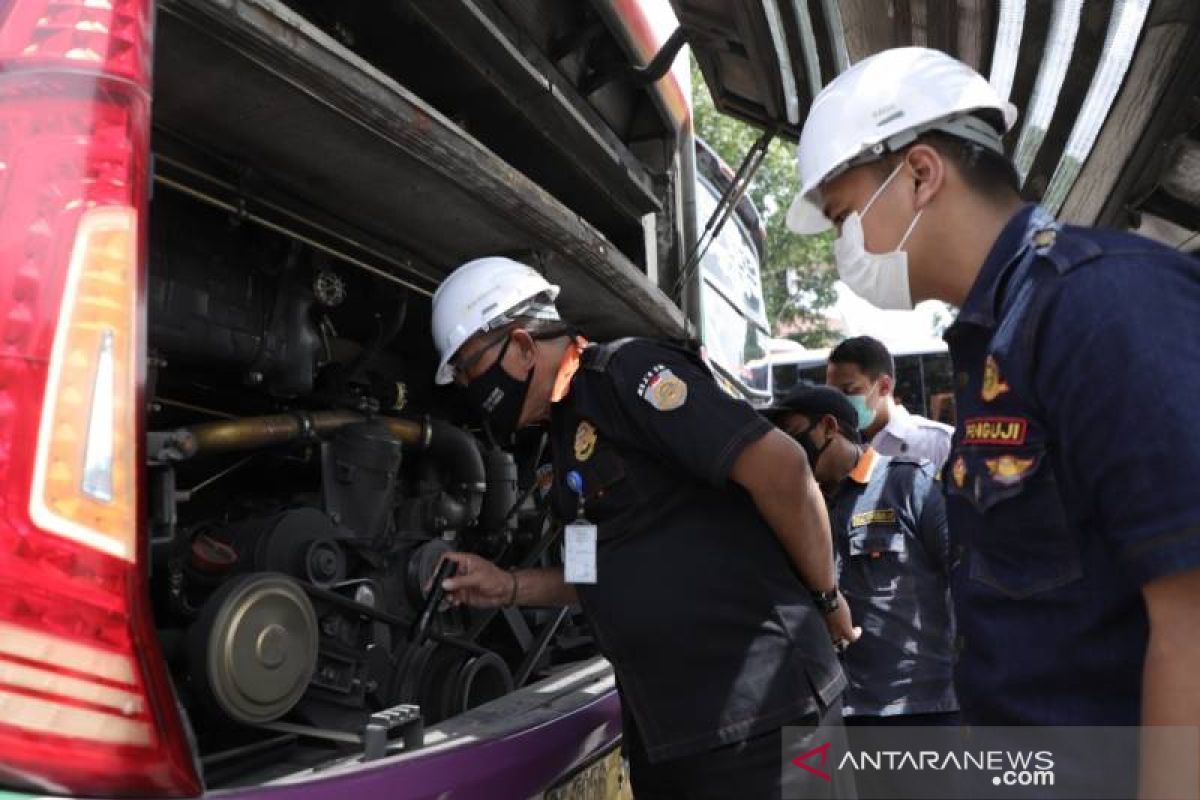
[872, 785]
[754, 769]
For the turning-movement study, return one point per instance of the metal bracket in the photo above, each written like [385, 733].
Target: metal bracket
[403, 720]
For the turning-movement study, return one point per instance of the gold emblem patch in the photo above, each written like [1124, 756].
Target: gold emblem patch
[993, 384]
[959, 472]
[1045, 238]
[585, 441]
[1008, 470]
[663, 389]
[880, 516]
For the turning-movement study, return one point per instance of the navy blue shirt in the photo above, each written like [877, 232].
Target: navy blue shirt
[893, 562]
[1073, 479]
[712, 634]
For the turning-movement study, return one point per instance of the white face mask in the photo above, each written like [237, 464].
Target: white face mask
[879, 278]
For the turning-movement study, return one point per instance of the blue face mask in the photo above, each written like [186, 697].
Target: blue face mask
[866, 415]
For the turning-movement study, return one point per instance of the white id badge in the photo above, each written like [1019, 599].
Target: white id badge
[579, 556]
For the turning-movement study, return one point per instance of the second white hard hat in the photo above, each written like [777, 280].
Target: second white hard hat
[481, 295]
[880, 105]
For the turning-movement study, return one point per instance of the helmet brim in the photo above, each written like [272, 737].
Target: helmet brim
[805, 218]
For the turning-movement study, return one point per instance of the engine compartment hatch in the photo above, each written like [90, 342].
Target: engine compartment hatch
[258, 110]
[1106, 89]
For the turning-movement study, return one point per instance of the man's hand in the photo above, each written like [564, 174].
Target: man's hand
[775, 471]
[481, 584]
[478, 583]
[841, 627]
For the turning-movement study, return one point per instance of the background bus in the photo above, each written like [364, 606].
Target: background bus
[733, 315]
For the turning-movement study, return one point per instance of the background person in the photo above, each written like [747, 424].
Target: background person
[893, 559]
[863, 368]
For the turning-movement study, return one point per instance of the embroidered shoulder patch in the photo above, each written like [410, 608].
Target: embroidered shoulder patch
[880, 516]
[585, 441]
[1009, 470]
[662, 388]
[993, 384]
[999, 431]
[958, 472]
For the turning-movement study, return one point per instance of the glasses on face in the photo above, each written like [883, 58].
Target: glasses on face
[461, 370]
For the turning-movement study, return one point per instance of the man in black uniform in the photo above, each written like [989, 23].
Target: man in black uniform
[708, 577]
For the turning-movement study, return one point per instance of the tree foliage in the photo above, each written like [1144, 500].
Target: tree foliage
[807, 258]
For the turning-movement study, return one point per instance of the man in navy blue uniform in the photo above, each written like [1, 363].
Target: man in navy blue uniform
[888, 521]
[889, 532]
[1072, 485]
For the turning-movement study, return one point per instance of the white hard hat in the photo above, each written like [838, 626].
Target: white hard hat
[482, 295]
[882, 104]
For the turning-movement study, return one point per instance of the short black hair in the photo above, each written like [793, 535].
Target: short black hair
[868, 354]
[985, 171]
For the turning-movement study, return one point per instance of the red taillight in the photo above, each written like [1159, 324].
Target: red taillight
[86, 705]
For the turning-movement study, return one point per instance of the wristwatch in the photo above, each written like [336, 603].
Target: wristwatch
[826, 602]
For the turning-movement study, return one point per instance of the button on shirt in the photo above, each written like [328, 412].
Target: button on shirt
[711, 633]
[914, 436]
[1072, 483]
[893, 553]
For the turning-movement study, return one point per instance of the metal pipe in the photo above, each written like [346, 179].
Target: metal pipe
[538, 648]
[783, 58]
[406, 264]
[689, 301]
[1120, 41]
[442, 441]
[1009, 28]
[808, 46]
[660, 65]
[837, 34]
[726, 205]
[1056, 58]
[252, 433]
[232, 208]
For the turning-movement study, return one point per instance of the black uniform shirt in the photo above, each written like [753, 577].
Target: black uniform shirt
[712, 635]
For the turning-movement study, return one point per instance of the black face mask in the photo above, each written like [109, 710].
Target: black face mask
[500, 397]
[811, 450]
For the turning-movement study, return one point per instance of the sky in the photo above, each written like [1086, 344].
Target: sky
[895, 328]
